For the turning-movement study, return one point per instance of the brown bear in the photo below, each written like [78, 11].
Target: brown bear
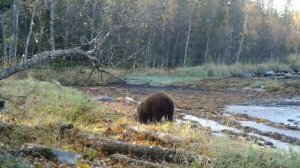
[154, 107]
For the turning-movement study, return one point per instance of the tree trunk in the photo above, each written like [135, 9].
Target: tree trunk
[52, 10]
[238, 54]
[42, 57]
[174, 50]
[188, 38]
[17, 32]
[93, 20]
[148, 60]
[207, 43]
[155, 153]
[30, 31]
[162, 42]
[4, 45]
[14, 36]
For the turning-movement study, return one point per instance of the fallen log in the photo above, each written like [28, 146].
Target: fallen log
[155, 153]
[135, 162]
[165, 137]
[44, 56]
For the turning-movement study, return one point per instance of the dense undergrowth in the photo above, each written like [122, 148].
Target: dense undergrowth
[37, 108]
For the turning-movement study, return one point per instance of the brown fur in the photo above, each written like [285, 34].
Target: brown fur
[156, 106]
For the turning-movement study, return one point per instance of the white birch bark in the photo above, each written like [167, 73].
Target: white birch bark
[30, 30]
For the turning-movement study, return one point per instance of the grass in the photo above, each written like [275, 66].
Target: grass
[9, 161]
[68, 74]
[192, 75]
[224, 151]
[37, 108]
[294, 62]
[235, 155]
[34, 100]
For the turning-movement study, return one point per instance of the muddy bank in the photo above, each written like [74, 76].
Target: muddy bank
[208, 103]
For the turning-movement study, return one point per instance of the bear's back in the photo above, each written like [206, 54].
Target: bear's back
[155, 106]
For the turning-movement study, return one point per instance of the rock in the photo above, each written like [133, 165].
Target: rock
[260, 143]
[106, 99]
[2, 102]
[269, 73]
[269, 143]
[65, 156]
[247, 75]
[52, 154]
[131, 100]
[289, 103]
[37, 151]
[291, 120]
[288, 76]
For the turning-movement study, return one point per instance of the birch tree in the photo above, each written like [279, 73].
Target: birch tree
[15, 32]
[30, 30]
[188, 37]
[52, 32]
[243, 34]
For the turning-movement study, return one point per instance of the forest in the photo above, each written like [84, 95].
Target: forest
[157, 33]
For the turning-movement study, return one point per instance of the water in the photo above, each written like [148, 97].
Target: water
[65, 156]
[266, 128]
[216, 129]
[278, 144]
[288, 115]
[213, 125]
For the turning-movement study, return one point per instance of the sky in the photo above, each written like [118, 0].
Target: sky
[279, 4]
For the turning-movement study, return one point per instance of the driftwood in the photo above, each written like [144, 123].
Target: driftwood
[41, 57]
[136, 162]
[155, 153]
[48, 55]
[38, 152]
[165, 137]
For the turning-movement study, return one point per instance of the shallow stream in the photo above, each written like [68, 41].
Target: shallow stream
[279, 118]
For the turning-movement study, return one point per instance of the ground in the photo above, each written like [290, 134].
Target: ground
[207, 99]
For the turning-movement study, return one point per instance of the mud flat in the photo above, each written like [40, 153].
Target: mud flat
[286, 115]
[218, 129]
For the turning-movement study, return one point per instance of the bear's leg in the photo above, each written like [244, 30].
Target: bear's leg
[169, 117]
